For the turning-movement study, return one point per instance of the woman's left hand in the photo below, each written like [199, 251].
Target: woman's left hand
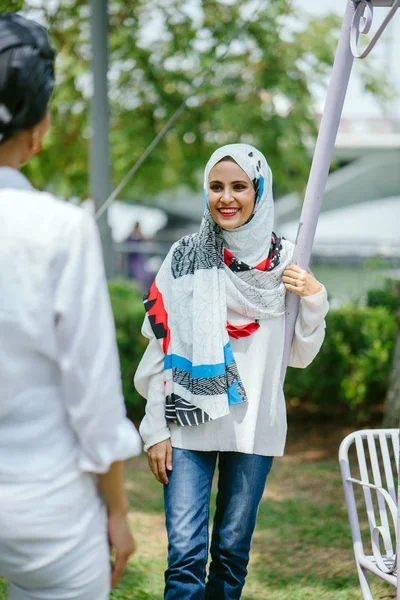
[299, 281]
[122, 544]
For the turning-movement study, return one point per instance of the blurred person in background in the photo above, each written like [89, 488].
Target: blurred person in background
[137, 262]
[63, 428]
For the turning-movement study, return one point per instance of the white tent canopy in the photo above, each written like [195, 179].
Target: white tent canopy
[123, 216]
[362, 230]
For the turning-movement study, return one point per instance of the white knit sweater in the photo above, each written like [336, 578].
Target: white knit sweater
[255, 427]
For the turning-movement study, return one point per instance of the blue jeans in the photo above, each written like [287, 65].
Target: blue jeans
[241, 484]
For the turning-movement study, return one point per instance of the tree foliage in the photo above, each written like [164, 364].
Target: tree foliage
[259, 93]
[389, 297]
[7, 6]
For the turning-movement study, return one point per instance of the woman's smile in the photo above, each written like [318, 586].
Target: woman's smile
[228, 212]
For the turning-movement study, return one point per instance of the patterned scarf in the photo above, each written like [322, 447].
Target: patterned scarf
[203, 275]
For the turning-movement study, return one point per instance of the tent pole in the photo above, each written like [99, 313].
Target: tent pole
[320, 168]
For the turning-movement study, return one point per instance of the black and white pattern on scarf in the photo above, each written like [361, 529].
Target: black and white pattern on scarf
[181, 412]
[207, 386]
[202, 250]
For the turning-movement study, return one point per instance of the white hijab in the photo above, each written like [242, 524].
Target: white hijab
[249, 242]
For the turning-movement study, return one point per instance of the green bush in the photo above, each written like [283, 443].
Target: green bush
[389, 296]
[128, 309]
[351, 372]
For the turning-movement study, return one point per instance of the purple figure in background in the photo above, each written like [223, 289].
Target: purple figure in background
[137, 268]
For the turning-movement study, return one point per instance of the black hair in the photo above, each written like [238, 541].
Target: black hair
[26, 74]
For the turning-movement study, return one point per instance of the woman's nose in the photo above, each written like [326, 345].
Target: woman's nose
[226, 195]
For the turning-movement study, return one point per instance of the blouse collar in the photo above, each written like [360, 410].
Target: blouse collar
[12, 178]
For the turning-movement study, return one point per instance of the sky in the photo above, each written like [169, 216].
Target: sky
[358, 104]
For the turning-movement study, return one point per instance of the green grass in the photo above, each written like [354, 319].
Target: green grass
[301, 548]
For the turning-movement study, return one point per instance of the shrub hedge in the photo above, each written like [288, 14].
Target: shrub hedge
[349, 375]
[128, 309]
[351, 372]
[388, 296]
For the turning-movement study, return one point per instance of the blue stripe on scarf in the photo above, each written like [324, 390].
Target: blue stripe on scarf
[199, 371]
[228, 354]
[233, 394]
[260, 188]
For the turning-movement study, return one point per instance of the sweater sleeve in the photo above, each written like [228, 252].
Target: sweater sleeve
[309, 329]
[149, 382]
[88, 354]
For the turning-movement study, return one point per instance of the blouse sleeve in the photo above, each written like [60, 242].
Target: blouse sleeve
[309, 329]
[149, 382]
[88, 355]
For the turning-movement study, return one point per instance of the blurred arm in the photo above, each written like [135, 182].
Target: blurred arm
[88, 354]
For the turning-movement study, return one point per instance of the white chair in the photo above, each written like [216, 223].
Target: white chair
[369, 462]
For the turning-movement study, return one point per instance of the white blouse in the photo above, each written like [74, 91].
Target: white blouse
[61, 404]
[257, 426]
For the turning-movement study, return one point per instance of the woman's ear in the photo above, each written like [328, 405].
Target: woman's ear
[38, 132]
[35, 145]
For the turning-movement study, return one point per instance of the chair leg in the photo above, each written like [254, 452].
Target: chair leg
[364, 583]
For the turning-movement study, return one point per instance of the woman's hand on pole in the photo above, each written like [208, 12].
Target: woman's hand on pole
[301, 282]
[160, 460]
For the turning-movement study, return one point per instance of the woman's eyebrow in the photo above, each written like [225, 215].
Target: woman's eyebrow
[238, 181]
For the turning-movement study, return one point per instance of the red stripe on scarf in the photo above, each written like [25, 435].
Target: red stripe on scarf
[265, 264]
[262, 266]
[159, 312]
[228, 257]
[240, 331]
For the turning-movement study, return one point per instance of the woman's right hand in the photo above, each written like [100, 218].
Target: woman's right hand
[160, 460]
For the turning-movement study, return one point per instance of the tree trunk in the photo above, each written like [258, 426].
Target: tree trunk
[391, 416]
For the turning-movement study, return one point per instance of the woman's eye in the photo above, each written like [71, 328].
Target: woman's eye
[215, 188]
[239, 187]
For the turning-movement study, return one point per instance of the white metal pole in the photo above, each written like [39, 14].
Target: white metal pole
[320, 168]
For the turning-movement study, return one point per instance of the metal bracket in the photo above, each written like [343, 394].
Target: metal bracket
[362, 21]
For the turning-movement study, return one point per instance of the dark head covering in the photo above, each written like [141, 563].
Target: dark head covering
[26, 74]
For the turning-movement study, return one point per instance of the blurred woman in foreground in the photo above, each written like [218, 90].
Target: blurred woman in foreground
[63, 427]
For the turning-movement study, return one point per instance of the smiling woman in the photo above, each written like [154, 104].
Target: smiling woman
[211, 372]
